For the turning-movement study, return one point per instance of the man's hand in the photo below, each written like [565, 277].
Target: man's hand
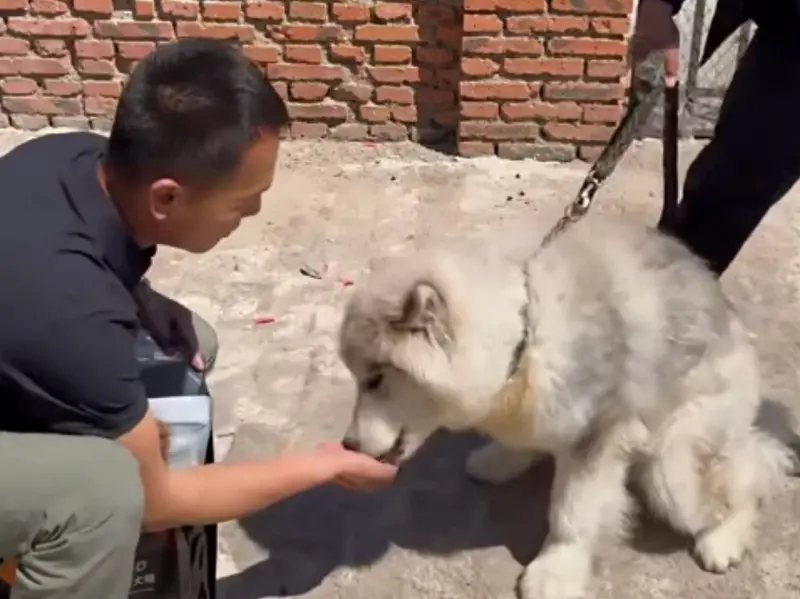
[656, 31]
[357, 471]
[170, 324]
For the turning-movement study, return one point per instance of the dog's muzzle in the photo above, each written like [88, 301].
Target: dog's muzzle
[392, 456]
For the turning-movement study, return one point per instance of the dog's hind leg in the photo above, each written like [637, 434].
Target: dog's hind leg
[588, 499]
[740, 478]
[496, 464]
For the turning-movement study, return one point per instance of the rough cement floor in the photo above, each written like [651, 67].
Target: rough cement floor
[435, 535]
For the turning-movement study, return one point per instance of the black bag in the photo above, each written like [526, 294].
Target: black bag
[180, 563]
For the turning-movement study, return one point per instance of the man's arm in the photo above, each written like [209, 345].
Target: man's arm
[80, 355]
[217, 492]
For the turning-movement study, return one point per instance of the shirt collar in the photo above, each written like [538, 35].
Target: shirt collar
[124, 257]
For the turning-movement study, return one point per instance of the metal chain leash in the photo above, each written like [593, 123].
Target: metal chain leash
[648, 85]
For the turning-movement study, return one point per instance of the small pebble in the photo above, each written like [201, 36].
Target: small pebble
[509, 198]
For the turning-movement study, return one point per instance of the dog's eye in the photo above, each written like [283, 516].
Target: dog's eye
[373, 382]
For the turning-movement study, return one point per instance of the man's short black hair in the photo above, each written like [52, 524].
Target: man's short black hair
[189, 111]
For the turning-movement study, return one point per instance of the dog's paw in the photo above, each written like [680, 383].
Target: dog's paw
[496, 464]
[561, 572]
[723, 548]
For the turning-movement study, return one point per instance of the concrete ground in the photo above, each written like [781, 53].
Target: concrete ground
[434, 535]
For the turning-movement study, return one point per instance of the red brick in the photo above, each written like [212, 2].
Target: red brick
[394, 95]
[482, 24]
[405, 114]
[94, 49]
[313, 33]
[13, 5]
[42, 105]
[558, 67]
[480, 110]
[134, 29]
[587, 46]
[99, 106]
[50, 47]
[109, 89]
[308, 91]
[479, 67]
[618, 26]
[392, 11]
[347, 53]
[301, 72]
[300, 130]
[41, 66]
[144, 9]
[18, 86]
[496, 131]
[387, 33]
[265, 11]
[602, 113]
[608, 7]
[14, 46]
[527, 111]
[577, 132]
[480, 5]
[181, 9]
[222, 11]
[470, 149]
[494, 46]
[392, 54]
[308, 11]
[220, 31]
[62, 87]
[43, 27]
[578, 91]
[547, 24]
[134, 50]
[306, 54]
[100, 7]
[480, 90]
[328, 111]
[262, 54]
[394, 74]
[522, 5]
[374, 114]
[606, 69]
[49, 7]
[350, 13]
[91, 66]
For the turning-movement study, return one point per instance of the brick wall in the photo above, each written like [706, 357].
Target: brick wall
[539, 78]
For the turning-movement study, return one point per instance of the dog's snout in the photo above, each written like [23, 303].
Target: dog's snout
[351, 444]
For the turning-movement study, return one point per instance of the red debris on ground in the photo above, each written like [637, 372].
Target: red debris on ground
[264, 319]
[345, 281]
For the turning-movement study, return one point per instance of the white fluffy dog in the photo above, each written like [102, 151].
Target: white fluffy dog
[612, 348]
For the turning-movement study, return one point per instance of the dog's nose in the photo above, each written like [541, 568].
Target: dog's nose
[351, 444]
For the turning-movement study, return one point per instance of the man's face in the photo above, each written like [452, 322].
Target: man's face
[196, 220]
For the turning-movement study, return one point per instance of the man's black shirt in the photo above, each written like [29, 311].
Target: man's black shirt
[68, 321]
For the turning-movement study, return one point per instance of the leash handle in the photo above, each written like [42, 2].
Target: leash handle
[669, 157]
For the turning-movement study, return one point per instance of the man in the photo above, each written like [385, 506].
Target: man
[753, 159]
[192, 149]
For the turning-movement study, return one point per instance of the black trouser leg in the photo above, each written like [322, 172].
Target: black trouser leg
[753, 159]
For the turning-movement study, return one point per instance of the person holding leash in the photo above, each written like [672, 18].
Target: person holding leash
[193, 147]
[753, 158]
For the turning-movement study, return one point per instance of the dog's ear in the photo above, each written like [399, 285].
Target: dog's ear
[423, 309]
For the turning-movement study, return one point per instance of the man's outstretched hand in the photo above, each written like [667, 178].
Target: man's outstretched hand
[356, 471]
[656, 31]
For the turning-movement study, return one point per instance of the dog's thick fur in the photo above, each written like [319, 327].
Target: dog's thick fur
[635, 363]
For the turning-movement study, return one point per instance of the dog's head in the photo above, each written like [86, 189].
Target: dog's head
[428, 341]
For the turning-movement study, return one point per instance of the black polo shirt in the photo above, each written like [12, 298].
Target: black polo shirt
[68, 321]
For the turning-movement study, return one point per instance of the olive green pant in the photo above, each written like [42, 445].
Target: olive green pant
[71, 509]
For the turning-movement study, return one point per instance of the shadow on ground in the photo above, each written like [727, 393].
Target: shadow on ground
[432, 509]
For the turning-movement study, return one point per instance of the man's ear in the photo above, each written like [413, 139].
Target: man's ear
[423, 310]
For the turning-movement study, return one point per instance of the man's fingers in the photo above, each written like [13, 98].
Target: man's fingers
[672, 66]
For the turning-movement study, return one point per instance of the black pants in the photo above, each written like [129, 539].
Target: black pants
[753, 159]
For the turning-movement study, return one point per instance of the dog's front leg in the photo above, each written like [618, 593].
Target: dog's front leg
[588, 499]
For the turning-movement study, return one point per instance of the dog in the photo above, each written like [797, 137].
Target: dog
[613, 349]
